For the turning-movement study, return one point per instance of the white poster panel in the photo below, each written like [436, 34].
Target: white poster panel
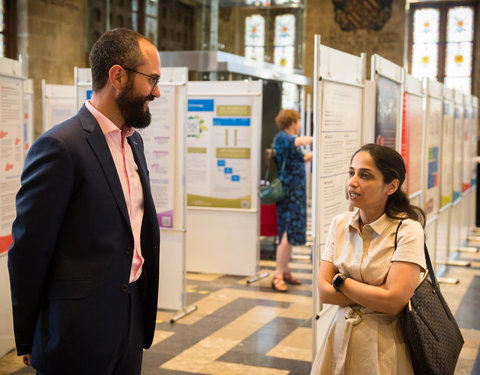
[458, 153]
[218, 165]
[474, 143]
[339, 139]
[159, 141]
[11, 153]
[412, 138]
[467, 150]
[446, 163]
[432, 155]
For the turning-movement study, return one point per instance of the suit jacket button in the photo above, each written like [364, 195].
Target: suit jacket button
[124, 287]
[129, 250]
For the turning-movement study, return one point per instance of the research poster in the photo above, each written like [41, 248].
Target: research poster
[218, 158]
[159, 141]
[387, 111]
[467, 154]
[458, 153]
[11, 153]
[28, 125]
[446, 172]
[341, 123]
[474, 144]
[432, 155]
[412, 138]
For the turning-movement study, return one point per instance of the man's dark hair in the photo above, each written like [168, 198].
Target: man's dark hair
[115, 47]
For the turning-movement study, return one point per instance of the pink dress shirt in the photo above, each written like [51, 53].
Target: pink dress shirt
[128, 174]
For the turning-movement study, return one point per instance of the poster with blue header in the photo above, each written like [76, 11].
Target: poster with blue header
[218, 160]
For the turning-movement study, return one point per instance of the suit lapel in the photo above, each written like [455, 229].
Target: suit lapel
[99, 145]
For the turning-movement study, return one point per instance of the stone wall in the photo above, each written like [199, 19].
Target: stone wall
[387, 42]
[51, 41]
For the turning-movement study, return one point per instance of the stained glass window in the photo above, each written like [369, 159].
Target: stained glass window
[426, 23]
[255, 37]
[261, 3]
[442, 42]
[289, 95]
[458, 58]
[284, 45]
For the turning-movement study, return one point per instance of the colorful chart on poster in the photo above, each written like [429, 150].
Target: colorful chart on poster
[387, 112]
[11, 153]
[432, 156]
[412, 135]
[218, 165]
[159, 140]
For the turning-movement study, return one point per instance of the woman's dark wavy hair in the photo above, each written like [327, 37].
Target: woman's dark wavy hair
[391, 165]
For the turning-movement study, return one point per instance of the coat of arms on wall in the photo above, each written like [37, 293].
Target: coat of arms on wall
[362, 14]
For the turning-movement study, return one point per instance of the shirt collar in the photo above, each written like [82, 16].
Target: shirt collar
[105, 123]
[378, 226]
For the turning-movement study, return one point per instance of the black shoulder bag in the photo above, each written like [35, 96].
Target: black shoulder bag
[272, 192]
[429, 328]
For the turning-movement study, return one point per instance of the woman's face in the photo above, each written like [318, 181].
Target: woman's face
[366, 188]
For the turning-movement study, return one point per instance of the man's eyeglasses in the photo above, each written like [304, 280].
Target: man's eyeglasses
[153, 79]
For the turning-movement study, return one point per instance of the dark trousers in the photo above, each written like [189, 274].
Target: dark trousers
[127, 360]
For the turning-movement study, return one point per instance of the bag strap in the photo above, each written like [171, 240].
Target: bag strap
[270, 161]
[427, 258]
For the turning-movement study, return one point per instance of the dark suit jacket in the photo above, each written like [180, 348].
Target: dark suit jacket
[72, 247]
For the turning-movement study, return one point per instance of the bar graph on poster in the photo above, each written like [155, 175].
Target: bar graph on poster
[218, 165]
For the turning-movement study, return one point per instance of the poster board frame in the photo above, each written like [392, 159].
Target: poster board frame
[54, 96]
[383, 70]
[9, 69]
[342, 70]
[213, 244]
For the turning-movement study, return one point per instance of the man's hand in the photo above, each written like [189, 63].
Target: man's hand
[26, 359]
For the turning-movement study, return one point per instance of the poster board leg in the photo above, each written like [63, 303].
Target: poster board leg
[184, 313]
[258, 277]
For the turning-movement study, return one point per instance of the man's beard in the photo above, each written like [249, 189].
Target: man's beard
[132, 110]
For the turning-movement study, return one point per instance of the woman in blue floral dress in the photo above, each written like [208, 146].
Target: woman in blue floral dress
[291, 210]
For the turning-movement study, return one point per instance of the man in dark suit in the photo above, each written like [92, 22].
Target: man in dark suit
[85, 255]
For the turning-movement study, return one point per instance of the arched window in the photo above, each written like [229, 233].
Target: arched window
[284, 45]
[441, 43]
[255, 37]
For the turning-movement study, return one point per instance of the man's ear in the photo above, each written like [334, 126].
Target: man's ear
[392, 186]
[118, 77]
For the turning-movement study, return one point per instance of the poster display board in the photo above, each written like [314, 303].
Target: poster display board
[475, 131]
[83, 86]
[58, 103]
[433, 139]
[219, 147]
[28, 123]
[338, 117]
[12, 157]
[412, 135]
[458, 147]
[388, 99]
[222, 176]
[467, 144]
[446, 160]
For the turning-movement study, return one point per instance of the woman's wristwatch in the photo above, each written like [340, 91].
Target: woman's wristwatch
[338, 281]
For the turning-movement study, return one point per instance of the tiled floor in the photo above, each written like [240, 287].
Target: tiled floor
[249, 329]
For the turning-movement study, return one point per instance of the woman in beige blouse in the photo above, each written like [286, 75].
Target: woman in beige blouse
[362, 273]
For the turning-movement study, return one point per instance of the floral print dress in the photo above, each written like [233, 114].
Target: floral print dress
[292, 209]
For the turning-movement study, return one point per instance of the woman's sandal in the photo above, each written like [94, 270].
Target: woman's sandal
[279, 285]
[290, 279]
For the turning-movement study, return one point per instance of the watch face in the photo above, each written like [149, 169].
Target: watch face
[338, 281]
